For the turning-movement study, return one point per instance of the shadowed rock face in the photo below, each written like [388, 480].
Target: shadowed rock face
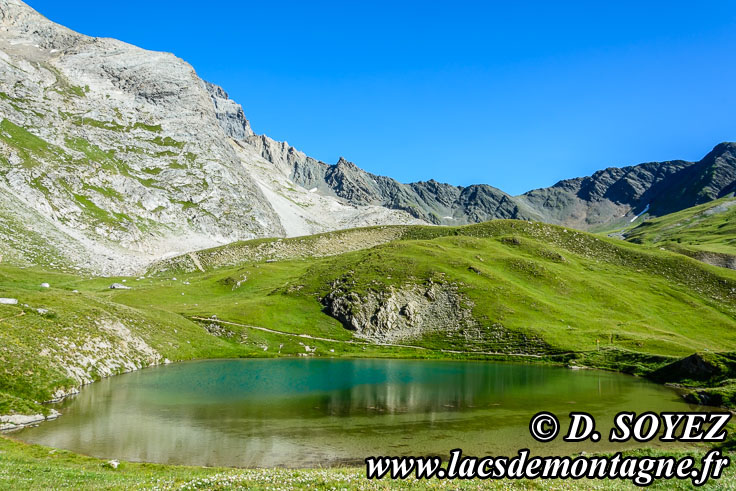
[605, 198]
[712, 178]
[611, 193]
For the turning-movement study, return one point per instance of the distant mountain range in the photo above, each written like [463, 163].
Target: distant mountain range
[112, 156]
[602, 199]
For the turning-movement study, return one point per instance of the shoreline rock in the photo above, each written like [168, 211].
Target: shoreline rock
[17, 421]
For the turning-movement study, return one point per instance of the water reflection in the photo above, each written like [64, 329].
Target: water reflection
[319, 412]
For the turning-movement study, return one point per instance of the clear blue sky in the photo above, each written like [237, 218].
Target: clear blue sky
[514, 94]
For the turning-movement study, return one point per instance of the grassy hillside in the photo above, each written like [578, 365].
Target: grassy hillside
[706, 232]
[530, 289]
[566, 288]
[55, 339]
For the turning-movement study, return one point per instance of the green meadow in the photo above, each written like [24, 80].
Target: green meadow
[574, 297]
[707, 228]
[571, 298]
[24, 466]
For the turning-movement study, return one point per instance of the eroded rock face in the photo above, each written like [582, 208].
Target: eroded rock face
[721, 260]
[416, 313]
[116, 350]
[122, 154]
[229, 113]
[399, 314]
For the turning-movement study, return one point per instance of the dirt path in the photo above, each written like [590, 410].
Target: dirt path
[364, 343]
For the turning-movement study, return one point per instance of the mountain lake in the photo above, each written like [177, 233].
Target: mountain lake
[326, 412]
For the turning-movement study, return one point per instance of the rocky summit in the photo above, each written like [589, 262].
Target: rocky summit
[112, 157]
[113, 153]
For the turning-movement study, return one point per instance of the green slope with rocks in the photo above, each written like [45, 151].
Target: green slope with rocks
[706, 232]
[498, 289]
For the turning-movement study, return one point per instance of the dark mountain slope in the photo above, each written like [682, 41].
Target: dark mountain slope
[606, 199]
[432, 201]
[712, 178]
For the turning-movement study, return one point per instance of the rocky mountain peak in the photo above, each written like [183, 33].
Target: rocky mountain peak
[229, 113]
[724, 150]
[116, 154]
[16, 12]
[25, 24]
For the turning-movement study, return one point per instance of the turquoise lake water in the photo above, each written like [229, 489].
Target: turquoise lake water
[321, 412]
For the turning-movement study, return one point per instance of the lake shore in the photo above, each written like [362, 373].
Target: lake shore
[478, 403]
[25, 466]
[15, 421]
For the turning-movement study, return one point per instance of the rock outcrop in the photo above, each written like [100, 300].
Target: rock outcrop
[17, 421]
[400, 314]
[229, 113]
[413, 312]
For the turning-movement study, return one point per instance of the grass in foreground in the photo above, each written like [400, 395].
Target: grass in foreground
[24, 466]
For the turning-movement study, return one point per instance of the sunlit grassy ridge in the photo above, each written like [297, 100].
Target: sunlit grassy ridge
[572, 289]
[708, 229]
